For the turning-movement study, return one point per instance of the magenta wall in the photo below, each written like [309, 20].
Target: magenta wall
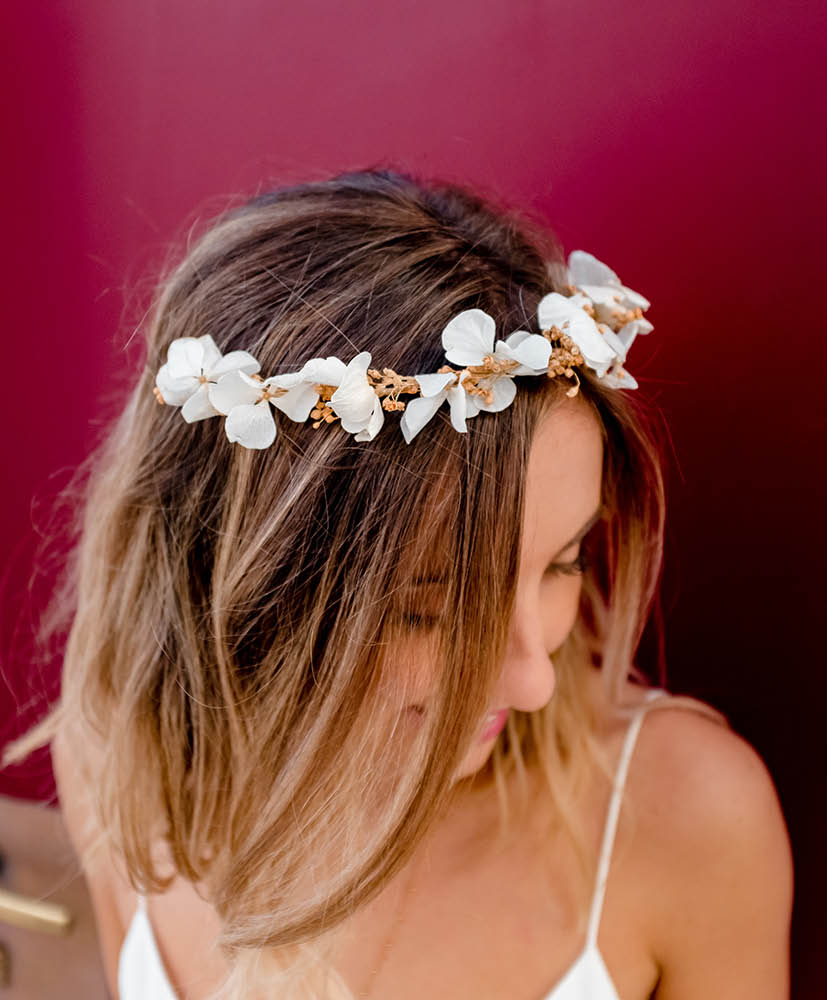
[685, 149]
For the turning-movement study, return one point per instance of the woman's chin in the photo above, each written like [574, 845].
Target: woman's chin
[475, 760]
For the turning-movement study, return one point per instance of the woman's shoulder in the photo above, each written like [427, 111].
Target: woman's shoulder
[717, 852]
[182, 920]
[695, 771]
[73, 763]
[690, 772]
[686, 748]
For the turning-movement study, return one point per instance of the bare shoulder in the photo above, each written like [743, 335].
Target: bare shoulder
[73, 765]
[184, 924]
[717, 853]
[73, 760]
[700, 779]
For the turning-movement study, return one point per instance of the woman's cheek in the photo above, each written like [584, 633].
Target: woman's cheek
[562, 601]
[411, 665]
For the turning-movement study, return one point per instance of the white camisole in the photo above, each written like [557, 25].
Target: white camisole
[141, 973]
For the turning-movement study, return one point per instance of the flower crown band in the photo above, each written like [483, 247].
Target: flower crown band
[593, 325]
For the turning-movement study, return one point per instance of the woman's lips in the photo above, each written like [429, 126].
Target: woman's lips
[495, 725]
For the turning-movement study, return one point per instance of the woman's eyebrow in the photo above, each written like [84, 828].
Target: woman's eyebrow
[592, 521]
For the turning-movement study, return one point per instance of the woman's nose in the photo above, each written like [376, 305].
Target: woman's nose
[528, 673]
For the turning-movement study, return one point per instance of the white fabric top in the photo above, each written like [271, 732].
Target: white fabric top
[141, 973]
[588, 978]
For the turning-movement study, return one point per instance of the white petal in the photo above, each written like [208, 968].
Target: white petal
[611, 305]
[377, 419]
[235, 360]
[418, 411]
[604, 295]
[586, 269]
[630, 330]
[616, 343]
[469, 337]
[287, 380]
[297, 402]
[458, 400]
[354, 400]
[185, 356]
[233, 389]
[211, 355]
[517, 337]
[619, 378]
[568, 315]
[324, 371]
[584, 332]
[251, 425]
[554, 309]
[176, 391]
[530, 349]
[470, 404]
[503, 389]
[434, 383]
[601, 283]
[626, 335]
[579, 300]
[635, 299]
[198, 406]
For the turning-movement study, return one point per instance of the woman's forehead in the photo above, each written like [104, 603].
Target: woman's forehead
[563, 489]
[564, 477]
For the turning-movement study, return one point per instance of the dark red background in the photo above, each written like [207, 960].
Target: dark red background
[681, 143]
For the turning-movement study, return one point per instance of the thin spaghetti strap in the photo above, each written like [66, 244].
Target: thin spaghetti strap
[612, 816]
[141, 902]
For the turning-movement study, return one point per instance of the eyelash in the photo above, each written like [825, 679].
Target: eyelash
[576, 567]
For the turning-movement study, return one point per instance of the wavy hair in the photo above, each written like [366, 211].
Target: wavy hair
[232, 613]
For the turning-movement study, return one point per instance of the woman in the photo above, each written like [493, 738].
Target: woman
[356, 704]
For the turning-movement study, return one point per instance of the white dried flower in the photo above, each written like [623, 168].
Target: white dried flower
[194, 364]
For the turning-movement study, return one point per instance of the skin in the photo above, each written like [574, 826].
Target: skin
[563, 493]
[699, 895]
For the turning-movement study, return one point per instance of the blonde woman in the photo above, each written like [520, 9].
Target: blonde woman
[353, 712]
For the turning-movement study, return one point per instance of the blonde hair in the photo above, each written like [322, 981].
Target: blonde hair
[231, 609]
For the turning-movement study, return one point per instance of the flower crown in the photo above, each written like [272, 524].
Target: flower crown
[593, 325]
